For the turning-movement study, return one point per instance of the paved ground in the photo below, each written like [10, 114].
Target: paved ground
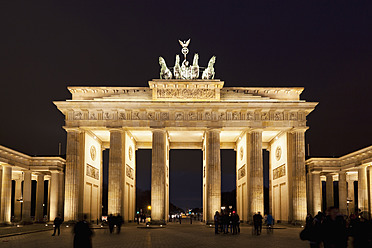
[173, 235]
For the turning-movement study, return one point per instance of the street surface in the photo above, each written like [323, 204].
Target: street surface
[174, 235]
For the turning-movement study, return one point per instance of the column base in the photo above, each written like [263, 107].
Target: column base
[157, 222]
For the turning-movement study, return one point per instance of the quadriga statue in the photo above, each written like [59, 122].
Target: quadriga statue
[195, 67]
[177, 68]
[209, 72]
[165, 73]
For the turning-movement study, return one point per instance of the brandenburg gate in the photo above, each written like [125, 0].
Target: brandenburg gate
[180, 111]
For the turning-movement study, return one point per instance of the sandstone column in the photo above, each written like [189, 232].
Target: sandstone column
[362, 189]
[74, 175]
[350, 196]
[309, 192]
[255, 165]
[297, 175]
[6, 195]
[26, 209]
[329, 191]
[317, 193]
[54, 195]
[17, 198]
[342, 192]
[213, 173]
[158, 176]
[39, 209]
[116, 160]
[61, 192]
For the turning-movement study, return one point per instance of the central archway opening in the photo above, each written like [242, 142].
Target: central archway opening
[185, 182]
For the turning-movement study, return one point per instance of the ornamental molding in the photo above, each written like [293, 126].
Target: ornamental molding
[188, 115]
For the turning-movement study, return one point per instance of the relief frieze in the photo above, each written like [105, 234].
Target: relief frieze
[207, 116]
[192, 116]
[186, 93]
[178, 116]
[135, 116]
[151, 115]
[237, 115]
[164, 116]
[241, 172]
[107, 116]
[279, 172]
[78, 115]
[122, 116]
[92, 172]
[129, 172]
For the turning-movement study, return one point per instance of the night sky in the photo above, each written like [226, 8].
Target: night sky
[323, 46]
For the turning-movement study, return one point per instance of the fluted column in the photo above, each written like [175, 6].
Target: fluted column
[158, 176]
[362, 189]
[61, 192]
[6, 195]
[350, 196]
[74, 175]
[255, 165]
[309, 193]
[39, 209]
[317, 193]
[329, 191]
[116, 160]
[54, 195]
[17, 197]
[297, 177]
[342, 192]
[213, 173]
[26, 209]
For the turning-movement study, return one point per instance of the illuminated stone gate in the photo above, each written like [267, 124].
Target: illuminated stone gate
[185, 114]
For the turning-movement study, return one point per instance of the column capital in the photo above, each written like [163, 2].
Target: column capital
[212, 129]
[116, 129]
[158, 129]
[72, 129]
[253, 129]
[298, 129]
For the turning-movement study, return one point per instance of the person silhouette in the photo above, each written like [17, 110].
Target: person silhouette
[57, 225]
[83, 234]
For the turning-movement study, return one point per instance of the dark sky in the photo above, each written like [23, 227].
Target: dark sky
[324, 46]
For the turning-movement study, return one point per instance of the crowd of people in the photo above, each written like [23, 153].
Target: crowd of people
[226, 221]
[333, 230]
